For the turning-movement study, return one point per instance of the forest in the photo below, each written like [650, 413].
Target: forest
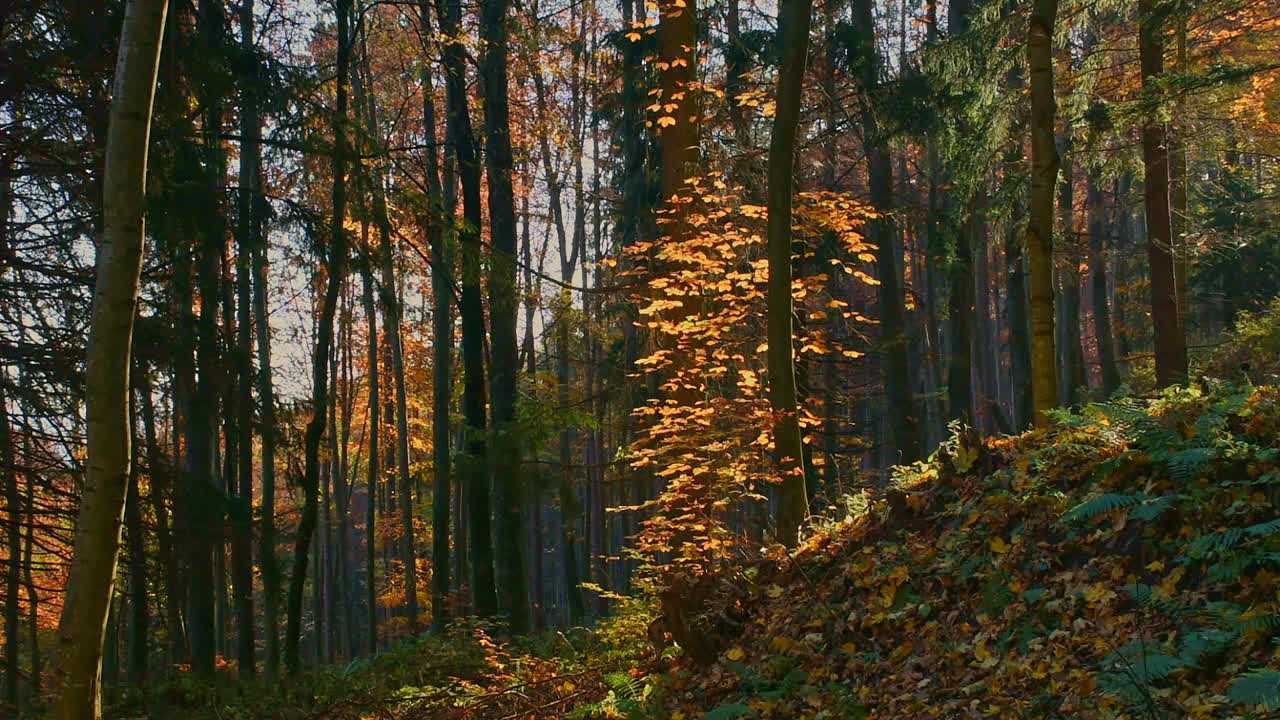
[639, 359]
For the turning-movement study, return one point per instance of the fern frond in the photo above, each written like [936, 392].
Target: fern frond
[1261, 687]
[1264, 529]
[1102, 505]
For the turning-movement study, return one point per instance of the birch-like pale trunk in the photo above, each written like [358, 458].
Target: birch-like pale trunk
[115, 300]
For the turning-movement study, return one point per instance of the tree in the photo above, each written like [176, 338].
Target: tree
[504, 361]
[794, 17]
[1044, 175]
[336, 270]
[254, 206]
[250, 237]
[1170, 342]
[391, 313]
[441, 348]
[895, 363]
[1098, 230]
[474, 465]
[119, 263]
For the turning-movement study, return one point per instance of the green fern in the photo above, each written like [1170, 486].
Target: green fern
[1102, 505]
[1185, 464]
[1216, 542]
[624, 686]
[1265, 529]
[1261, 687]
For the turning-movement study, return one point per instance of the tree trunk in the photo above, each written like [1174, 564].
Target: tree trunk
[33, 601]
[513, 600]
[960, 314]
[160, 476]
[1170, 342]
[1098, 229]
[139, 618]
[895, 361]
[1177, 147]
[1070, 335]
[375, 427]
[119, 263]
[13, 501]
[249, 231]
[267, 420]
[336, 267]
[794, 17]
[391, 313]
[474, 466]
[441, 351]
[1044, 174]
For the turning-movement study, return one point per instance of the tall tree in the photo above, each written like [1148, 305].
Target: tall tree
[136, 652]
[895, 361]
[513, 600]
[1069, 335]
[375, 428]
[441, 345]
[388, 294]
[267, 422]
[1170, 342]
[794, 17]
[13, 570]
[1100, 298]
[249, 232]
[119, 263]
[335, 271]
[1044, 175]
[962, 297]
[474, 466]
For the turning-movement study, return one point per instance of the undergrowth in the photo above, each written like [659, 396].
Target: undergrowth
[1122, 564]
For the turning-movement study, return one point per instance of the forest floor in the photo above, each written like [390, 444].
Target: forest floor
[1124, 563]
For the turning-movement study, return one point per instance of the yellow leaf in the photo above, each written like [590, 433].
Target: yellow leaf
[736, 654]
[999, 546]
[782, 644]
[666, 121]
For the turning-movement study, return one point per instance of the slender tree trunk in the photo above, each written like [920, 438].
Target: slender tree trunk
[794, 17]
[267, 419]
[375, 426]
[33, 599]
[960, 314]
[439, 233]
[1044, 174]
[119, 263]
[13, 502]
[160, 478]
[1099, 227]
[1177, 147]
[537, 590]
[1070, 335]
[139, 608]
[336, 267]
[865, 58]
[1123, 245]
[249, 230]
[206, 494]
[513, 599]
[1170, 342]
[391, 313]
[474, 467]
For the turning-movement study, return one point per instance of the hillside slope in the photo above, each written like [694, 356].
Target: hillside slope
[1122, 564]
